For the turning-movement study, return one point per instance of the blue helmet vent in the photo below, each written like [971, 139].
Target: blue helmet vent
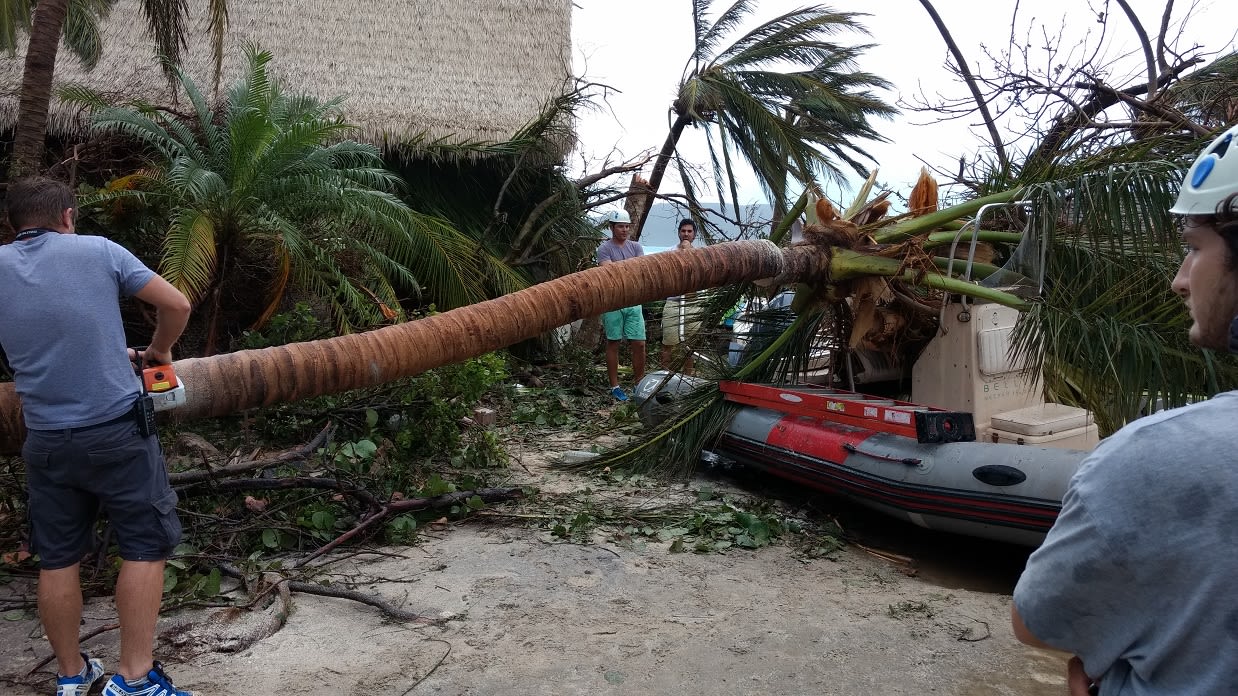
[1202, 170]
[1222, 147]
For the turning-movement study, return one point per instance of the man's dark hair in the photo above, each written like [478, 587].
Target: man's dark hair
[1227, 226]
[687, 221]
[37, 202]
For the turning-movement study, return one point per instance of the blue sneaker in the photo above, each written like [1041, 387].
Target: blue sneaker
[158, 683]
[79, 684]
[619, 394]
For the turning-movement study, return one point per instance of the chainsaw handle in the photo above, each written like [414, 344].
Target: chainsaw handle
[137, 356]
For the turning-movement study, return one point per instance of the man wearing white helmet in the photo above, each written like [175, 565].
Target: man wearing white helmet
[627, 323]
[1136, 578]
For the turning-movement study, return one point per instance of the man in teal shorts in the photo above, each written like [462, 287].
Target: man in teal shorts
[627, 323]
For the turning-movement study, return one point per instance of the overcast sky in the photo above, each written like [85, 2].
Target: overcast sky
[640, 47]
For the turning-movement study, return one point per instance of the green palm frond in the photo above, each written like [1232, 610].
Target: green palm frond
[189, 253]
[135, 124]
[15, 19]
[441, 258]
[783, 97]
[80, 95]
[709, 35]
[790, 36]
[81, 29]
[1109, 334]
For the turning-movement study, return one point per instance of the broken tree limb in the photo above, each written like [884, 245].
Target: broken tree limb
[278, 484]
[298, 454]
[388, 610]
[385, 607]
[81, 639]
[396, 507]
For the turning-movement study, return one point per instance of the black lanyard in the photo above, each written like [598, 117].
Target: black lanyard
[32, 233]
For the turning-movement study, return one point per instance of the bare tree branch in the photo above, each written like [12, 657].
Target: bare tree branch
[1145, 43]
[970, 79]
[1160, 36]
[1166, 112]
[632, 165]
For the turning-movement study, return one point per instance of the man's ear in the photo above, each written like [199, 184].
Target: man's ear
[68, 218]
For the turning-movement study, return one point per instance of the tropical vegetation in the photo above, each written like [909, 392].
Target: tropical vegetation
[265, 189]
[784, 97]
[261, 202]
[77, 21]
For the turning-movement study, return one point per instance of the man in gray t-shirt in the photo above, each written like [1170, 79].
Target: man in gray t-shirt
[626, 323]
[61, 329]
[1136, 578]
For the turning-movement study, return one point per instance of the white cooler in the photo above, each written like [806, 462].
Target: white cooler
[1045, 425]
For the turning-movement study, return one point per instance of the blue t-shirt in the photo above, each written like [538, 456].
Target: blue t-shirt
[60, 327]
[1137, 577]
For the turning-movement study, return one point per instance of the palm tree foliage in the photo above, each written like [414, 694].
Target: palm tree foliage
[76, 22]
[270, 176]
[1109, 331]
[81, 26]
[81, 35]
[784, 97]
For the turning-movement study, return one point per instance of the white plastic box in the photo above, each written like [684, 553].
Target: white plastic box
[1046, 425]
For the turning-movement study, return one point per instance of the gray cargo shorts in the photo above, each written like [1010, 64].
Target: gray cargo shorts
[72, 474]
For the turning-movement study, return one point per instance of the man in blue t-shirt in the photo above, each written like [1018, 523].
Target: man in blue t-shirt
[1136, 577]
[628, 322]
[60, 327]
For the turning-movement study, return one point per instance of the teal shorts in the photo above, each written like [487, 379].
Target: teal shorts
[624, 323]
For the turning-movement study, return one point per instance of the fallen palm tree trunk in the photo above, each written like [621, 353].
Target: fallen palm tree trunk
[232, 382]
[224, 384]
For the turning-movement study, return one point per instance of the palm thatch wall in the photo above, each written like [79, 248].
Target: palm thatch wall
[452, 70]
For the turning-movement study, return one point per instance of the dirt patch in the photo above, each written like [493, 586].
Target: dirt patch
[528, 613]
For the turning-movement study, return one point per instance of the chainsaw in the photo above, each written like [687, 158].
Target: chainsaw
[159, 383]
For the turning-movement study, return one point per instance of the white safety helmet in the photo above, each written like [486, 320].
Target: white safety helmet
[1212, 179]
[618, 217]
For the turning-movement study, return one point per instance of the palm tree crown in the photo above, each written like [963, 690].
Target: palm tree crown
[272, 176]
[784, 97]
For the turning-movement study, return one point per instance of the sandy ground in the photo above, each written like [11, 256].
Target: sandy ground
[528, 614]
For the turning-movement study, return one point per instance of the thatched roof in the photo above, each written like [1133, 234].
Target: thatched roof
[463, 70]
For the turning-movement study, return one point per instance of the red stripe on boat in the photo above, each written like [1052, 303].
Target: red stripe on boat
[818, 438]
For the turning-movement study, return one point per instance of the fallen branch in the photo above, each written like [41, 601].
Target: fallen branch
[275, 484]
[81, 639]
[395, 507]
[385, 607]
[236, 628]
[298, 454]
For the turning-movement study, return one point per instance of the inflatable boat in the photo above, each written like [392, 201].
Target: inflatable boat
[913, 462]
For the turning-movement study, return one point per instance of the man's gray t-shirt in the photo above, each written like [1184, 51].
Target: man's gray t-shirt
[61, 329]
[609, 251]
[1138, 576]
